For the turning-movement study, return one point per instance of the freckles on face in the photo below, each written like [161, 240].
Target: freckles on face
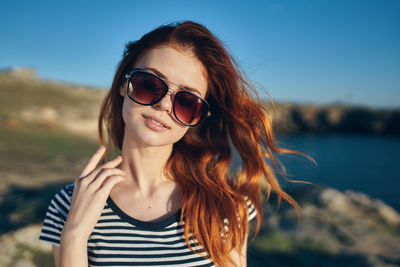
[156, 125]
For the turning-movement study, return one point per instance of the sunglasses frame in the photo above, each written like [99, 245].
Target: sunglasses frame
[168, 91]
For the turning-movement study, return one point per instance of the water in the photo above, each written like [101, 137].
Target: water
[365, 163]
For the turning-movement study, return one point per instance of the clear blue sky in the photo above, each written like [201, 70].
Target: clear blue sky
[302, 50]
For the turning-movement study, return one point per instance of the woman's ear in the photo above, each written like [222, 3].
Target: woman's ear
[122, 91]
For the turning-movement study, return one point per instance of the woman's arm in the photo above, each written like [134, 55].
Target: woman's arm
[56, 255]
[72, 255]
[73, 252]
[239, 257]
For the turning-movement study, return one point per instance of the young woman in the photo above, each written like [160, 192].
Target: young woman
[178, 112]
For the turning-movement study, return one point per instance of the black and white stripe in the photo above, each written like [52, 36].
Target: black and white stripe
[120, 240]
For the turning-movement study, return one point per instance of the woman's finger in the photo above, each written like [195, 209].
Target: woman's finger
[93, 161]
[111, 164]
[109, 183]
[103, 175]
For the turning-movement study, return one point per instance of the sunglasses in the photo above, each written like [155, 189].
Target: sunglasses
[148, 89]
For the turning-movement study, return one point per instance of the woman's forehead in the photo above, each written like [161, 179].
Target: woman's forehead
[176, 65]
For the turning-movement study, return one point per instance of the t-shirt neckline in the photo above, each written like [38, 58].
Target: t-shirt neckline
[158, 225]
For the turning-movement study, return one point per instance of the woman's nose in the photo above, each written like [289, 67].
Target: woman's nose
[166, 102]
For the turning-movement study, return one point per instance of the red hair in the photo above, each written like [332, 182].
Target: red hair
[201, 162]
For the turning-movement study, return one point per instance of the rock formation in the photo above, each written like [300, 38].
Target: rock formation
[336, 228]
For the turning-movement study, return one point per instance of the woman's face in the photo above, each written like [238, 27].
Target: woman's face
[142, 123]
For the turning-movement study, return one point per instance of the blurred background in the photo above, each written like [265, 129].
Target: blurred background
[331, 69]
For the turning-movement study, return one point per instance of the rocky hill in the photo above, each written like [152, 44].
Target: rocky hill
[26, 100]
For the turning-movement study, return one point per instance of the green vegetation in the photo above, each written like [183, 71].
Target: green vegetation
[277, 242]
[387, 229]
[38, 257]
[24, 147]
[27, 146]
[33, 152]
[42, 259]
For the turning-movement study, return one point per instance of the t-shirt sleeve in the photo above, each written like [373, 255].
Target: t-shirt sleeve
[252, 213]
[56, 216]
[252, 210]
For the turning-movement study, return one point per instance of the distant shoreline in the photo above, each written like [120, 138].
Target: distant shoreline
[335, 118]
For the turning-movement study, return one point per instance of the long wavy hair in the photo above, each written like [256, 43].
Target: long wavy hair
[215, 193]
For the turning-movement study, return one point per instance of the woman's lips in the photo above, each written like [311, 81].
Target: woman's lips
[155, 123]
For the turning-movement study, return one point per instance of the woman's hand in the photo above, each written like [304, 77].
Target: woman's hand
[91, 191]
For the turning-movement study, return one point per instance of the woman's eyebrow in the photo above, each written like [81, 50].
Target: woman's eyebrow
[164, 77]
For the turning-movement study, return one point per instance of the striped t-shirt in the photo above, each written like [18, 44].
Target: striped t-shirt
[120, 240]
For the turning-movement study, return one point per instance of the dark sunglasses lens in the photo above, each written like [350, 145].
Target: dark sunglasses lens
[146, 88]
[189, 108]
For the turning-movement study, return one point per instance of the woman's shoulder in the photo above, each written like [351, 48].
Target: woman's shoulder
[62, 199]
[66, 192]
[56, 215]
[69, 189]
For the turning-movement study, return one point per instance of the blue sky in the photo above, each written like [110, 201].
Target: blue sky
[311, 51]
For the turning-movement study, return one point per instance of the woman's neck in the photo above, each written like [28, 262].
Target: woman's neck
[144, 167]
